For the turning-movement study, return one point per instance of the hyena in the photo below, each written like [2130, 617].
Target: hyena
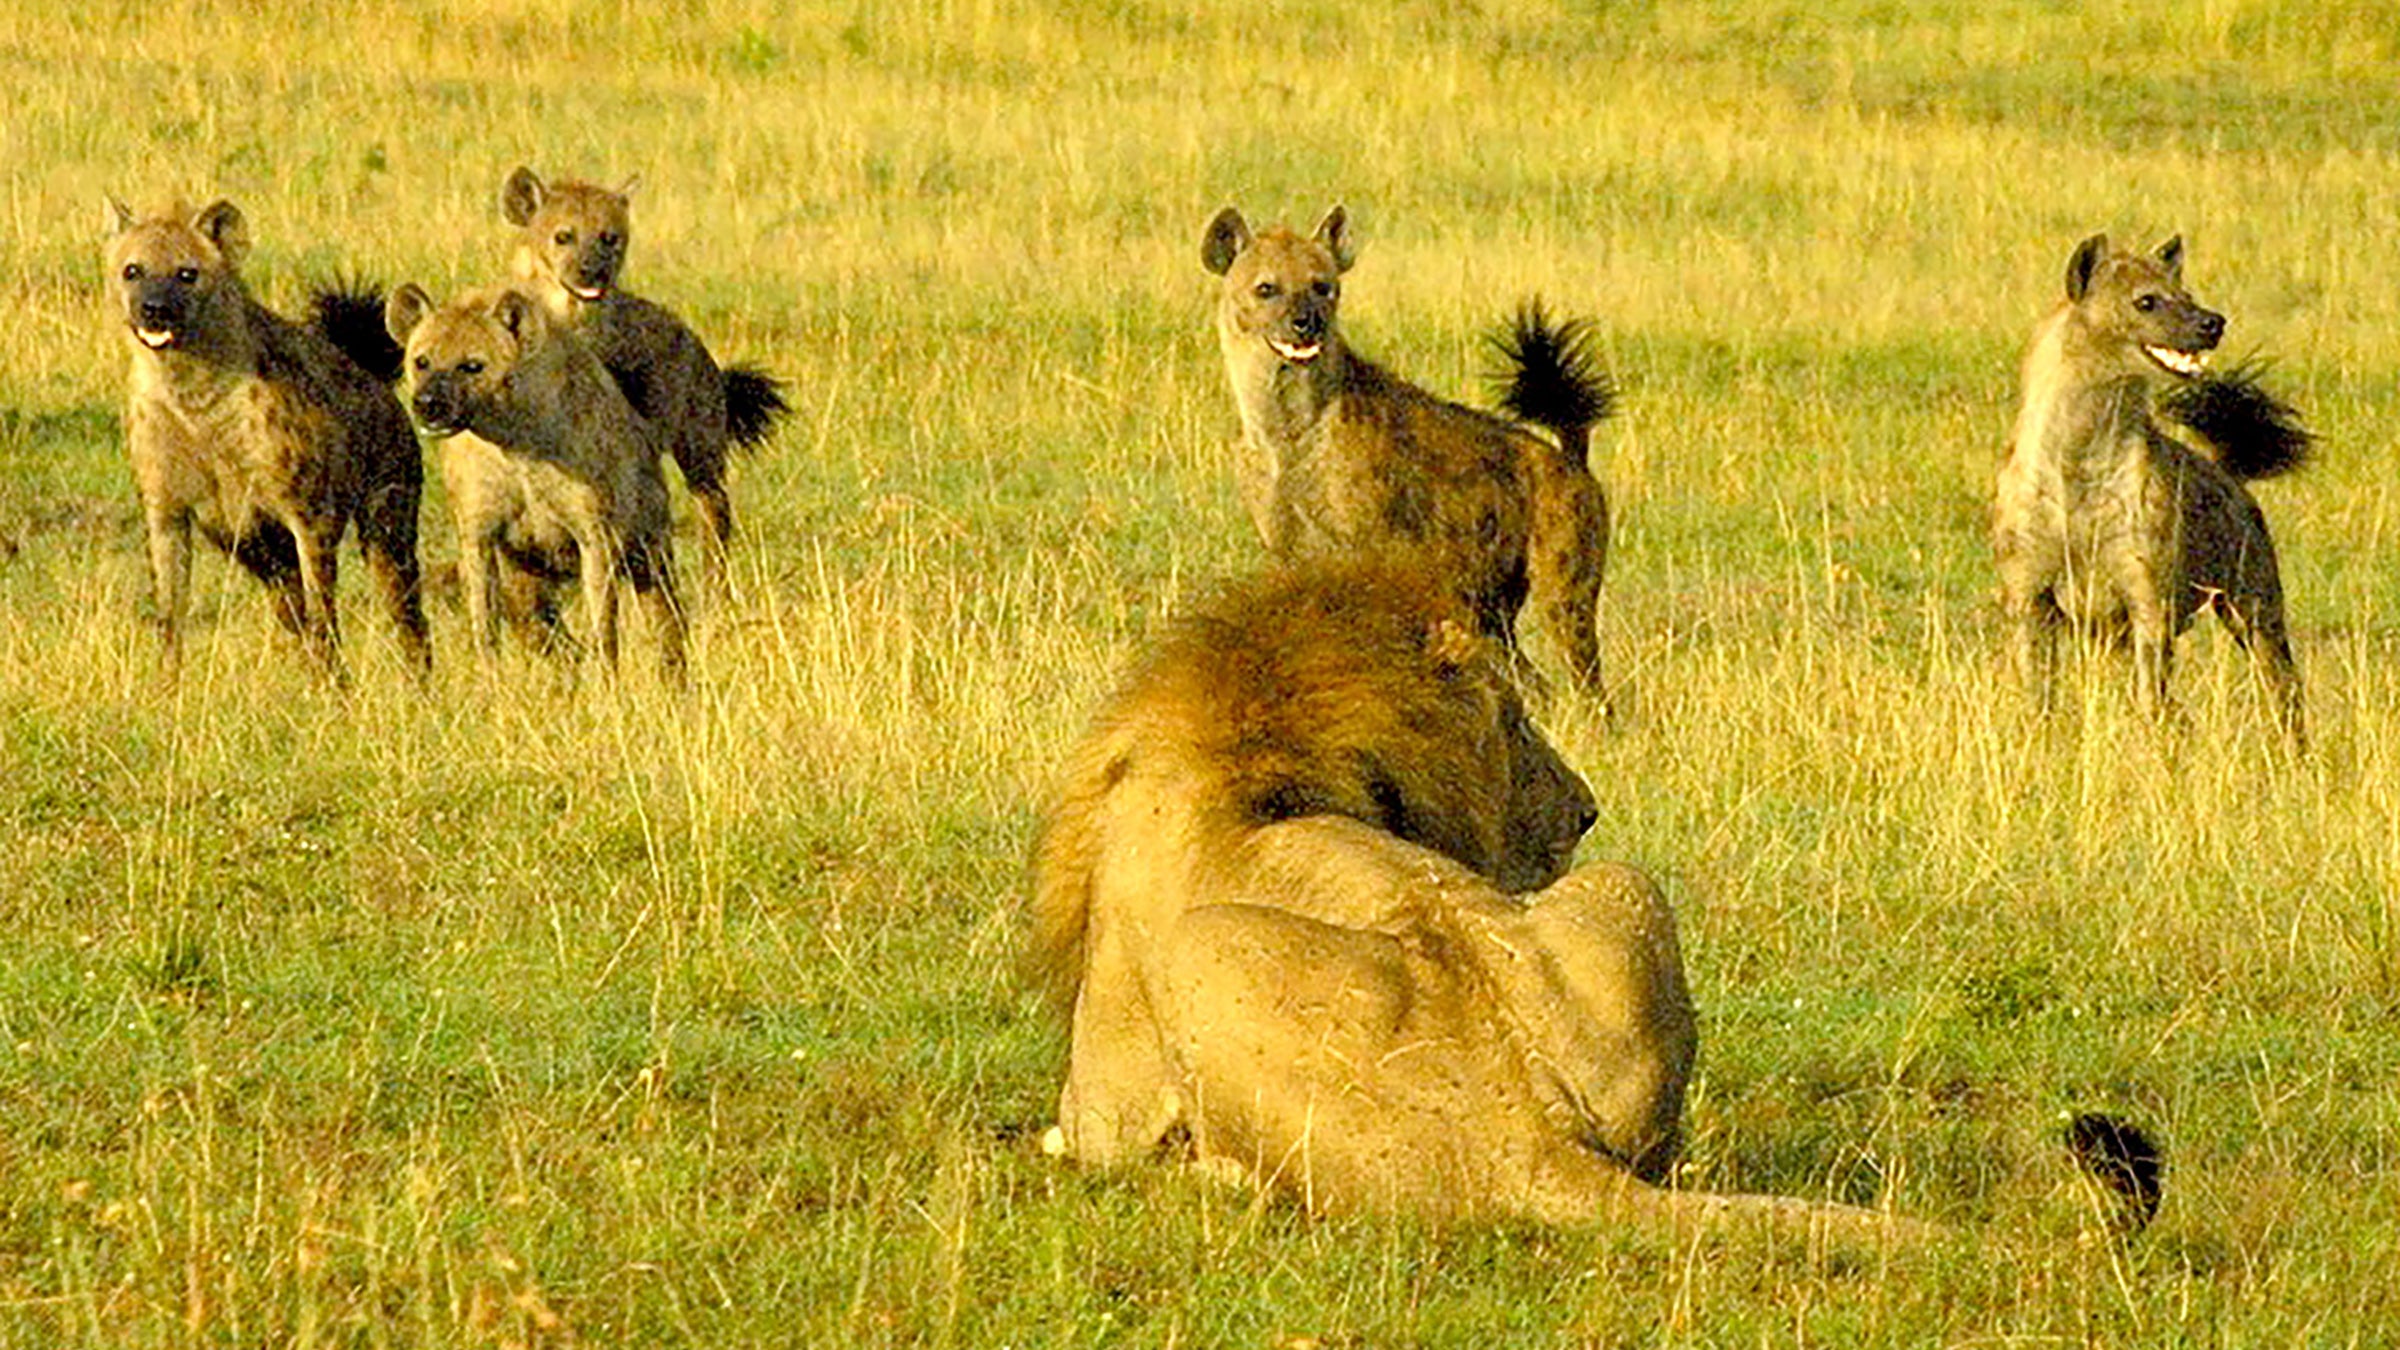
[551, 474]
[570, 251]
[262, 433]
[1339, 456]
[2105, 517]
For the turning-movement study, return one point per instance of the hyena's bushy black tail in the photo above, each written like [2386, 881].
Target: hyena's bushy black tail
[754, 403]
[1552, 377]
[2126, 1162]
[2251, 433]
[348, 313]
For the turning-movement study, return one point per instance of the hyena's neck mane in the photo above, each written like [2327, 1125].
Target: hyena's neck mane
[525, 421]
[1284, 406]
[2087, 406]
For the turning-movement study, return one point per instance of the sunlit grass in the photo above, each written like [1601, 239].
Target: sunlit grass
[539, 1007]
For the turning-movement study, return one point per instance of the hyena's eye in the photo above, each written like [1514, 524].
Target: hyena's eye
[133, 272]
[470, 366]
[608, 238]
[2145, 303]
[1266, 290]
[187, 275]
[423, 364]
[563, 237]
[1323, 288]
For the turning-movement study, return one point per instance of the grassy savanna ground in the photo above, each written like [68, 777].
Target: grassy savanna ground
[523, 1013]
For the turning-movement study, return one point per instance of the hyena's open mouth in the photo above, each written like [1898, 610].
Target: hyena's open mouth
[2187, 364]
[1298, 353]
[156, 339]
[591, 286]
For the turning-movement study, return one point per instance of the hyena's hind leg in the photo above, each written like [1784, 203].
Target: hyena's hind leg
[528, 601]
[1565, 563]
[298, 571]
[387, 540]
[2255, 618]
[699, 449]
[650, 567]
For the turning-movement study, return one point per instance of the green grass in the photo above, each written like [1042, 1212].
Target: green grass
[524, 1013]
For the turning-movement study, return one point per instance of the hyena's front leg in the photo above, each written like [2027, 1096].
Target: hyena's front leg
[2033, 624]
[168, 532]
[2153, 649]
[599, 574]
[478, 579]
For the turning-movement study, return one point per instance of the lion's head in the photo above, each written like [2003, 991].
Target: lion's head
[1356, 689]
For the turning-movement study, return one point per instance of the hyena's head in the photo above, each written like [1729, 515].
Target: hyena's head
[1280, 290]
[461, 356]
[176, 272]
[2136, 303]
[575, 234]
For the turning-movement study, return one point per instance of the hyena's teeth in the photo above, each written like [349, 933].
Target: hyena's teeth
[2182, 363]
[155, 338]
[588, 292]
[1291, 351]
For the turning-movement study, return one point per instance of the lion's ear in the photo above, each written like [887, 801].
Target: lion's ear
[1451, 646]
[520, 197]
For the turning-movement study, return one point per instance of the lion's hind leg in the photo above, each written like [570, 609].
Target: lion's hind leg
[1592, 974]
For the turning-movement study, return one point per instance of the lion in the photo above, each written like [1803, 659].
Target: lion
[1303, 900]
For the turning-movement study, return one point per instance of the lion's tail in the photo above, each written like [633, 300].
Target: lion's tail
[348, 313]
[1552, 377]
[2126, 1163]
[2116, 1154]
[2250, 432]
[754, 403]
[1066, 853]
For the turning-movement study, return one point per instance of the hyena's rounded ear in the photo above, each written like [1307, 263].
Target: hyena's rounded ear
[120, 216]
[517, 313]
[406, 308]
[520, 197]
[1227, 236]
[2084, 263]
[625, 189]
[221, 224]
[2170, 255]
[1334, 233]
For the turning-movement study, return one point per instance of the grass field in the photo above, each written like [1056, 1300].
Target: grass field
[527, 1014]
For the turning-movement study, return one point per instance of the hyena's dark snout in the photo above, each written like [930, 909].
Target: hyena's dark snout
[596, 269]
[162, 305]
[439, 405]
[1311, 319]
